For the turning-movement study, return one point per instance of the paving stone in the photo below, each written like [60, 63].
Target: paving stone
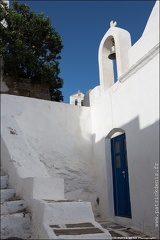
[120, 232]
[79, 231]
[79, 225]
[54, 226]
[114, 234]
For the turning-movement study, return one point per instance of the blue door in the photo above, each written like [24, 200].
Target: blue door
[121, 193]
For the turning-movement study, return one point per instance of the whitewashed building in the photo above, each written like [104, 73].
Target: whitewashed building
[77, 99]
[107, 152]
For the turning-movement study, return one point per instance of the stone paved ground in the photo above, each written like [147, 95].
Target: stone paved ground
[119, 232]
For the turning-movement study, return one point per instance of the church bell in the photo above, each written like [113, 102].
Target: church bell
[112, 55]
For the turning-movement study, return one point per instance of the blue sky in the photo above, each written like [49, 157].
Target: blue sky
[82, 25]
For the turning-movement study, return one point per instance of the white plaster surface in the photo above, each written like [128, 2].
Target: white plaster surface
[22, 155]
[11, 207]
[40, 144]
[132, 106]
[77, 183]
[7, 194]
[43, 188]
[65, 213]
[15, 225]
[49, 142]
[149, 38]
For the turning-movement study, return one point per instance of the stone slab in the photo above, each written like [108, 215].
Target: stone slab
[11, 207]
[79, 231]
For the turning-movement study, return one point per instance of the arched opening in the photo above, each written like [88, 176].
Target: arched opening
[111, 70]
[115, 132]
[115, 71]
[112, 57]
[76, 102]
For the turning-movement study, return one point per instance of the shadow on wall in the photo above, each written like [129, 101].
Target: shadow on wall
[143, 155]
[58, 136]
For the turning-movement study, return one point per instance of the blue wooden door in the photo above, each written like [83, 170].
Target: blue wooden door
[121, 193]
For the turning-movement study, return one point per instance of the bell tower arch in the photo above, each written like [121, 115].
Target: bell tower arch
[121, 41]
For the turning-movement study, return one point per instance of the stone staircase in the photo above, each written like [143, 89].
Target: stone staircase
[52, 219]
[68, 219]
[15, 220]
[76, 221]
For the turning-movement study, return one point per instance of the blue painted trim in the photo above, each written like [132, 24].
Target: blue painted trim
[122, 205]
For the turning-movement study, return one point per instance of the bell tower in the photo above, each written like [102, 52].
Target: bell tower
[113, 55]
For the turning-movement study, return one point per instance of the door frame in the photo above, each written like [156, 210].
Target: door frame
[109, 176]
[121, 192]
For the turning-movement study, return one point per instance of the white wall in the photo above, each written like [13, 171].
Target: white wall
[136, 111]
[56, 137]
[58, 127]
[132, 105]
[150, 37]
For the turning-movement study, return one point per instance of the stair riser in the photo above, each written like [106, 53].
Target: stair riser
[15, 226]
[15, 222]
[7, 194]
[13, 207]
[4, 182]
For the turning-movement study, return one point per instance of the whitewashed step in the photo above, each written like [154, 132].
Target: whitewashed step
[92, 233]
[80, 231]
[97, 236]
[71, 210]
[11, 207]
[4, 182]
[15, 225]
[7, 194]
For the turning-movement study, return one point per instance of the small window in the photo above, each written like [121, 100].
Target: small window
[76, 102]
[81, 102]
[118, 162]
[117, 147]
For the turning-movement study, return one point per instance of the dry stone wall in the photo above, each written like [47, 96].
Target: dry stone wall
[25, 87]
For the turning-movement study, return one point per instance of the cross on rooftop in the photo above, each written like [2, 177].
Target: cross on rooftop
[113, 24]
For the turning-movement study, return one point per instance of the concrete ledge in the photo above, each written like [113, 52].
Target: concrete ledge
[39, 188]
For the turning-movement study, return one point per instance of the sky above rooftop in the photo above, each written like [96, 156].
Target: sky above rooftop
[82, 25]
